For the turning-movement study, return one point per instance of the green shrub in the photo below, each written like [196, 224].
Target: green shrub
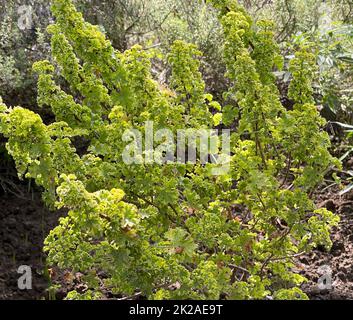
[176, 231]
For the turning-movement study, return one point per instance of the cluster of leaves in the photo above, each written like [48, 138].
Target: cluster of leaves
[175, 231]
[125, 22]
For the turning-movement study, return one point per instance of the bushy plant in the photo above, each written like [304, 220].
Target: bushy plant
[175, 231]
[333, 43]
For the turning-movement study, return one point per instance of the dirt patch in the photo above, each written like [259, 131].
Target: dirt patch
[24, 224]
[336, 266]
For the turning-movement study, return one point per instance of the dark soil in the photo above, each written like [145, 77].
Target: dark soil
[339, 259]
[24, 224]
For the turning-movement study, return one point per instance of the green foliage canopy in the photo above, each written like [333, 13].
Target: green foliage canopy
[150, 226]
